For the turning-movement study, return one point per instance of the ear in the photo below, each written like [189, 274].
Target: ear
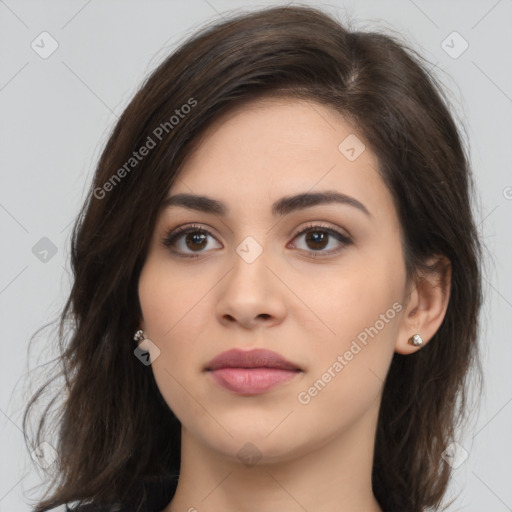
[426, 305]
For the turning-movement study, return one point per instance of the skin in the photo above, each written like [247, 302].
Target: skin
[314, 456]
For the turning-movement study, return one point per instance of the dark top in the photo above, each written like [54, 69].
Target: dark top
[153, 495]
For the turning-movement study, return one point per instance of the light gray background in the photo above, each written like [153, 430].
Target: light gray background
[56, 114]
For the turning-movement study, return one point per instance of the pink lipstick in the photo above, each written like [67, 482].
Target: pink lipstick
[251, 372]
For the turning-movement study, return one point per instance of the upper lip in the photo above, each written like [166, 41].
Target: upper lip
[256, 358]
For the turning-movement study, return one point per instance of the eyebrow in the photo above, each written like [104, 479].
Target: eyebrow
[281, 207]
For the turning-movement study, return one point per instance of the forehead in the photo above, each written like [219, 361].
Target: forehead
[274, 129]
[273, 147]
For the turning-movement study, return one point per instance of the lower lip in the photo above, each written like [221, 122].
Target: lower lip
[251, 381]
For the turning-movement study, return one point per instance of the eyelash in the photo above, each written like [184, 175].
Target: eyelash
[173, 235]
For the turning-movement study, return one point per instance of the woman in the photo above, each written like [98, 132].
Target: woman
[276, 282]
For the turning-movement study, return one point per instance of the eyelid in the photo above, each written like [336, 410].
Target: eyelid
[320, 225]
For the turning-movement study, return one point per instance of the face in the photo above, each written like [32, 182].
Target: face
[320, 283]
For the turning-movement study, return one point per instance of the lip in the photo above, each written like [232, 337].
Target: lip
[251, 372]
[255, 358]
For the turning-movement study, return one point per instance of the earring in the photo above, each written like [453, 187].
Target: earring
[139, 335]
[142, 341]
[415, 340]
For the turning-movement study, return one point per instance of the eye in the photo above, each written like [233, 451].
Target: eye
[196, 240]
[318, 237]
[189, 239]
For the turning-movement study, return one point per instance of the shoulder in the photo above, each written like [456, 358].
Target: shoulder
[152, 495]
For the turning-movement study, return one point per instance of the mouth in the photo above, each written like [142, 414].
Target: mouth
[251, 372]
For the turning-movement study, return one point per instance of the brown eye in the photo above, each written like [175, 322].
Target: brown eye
[187, 240]
[191, 241]
[195, 240]
[318, 237]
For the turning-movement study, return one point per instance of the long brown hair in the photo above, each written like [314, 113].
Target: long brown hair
[114, 426]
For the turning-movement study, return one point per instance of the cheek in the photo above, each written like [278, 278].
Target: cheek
[176, 311]
[349, 365]
[349, 300]
[171, 301]
[161, 314]
[360, 311]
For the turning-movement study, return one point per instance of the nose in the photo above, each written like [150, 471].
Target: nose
[251, 295]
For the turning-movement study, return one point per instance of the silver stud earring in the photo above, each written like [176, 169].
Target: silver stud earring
[416, 340]
[139, 335]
